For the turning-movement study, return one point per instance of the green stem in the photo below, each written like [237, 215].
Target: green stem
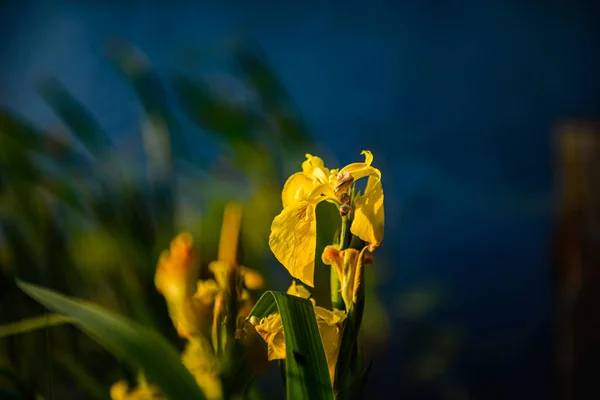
[336, 296]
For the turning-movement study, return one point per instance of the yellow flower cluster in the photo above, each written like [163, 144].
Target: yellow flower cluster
[293, 242]
[293, 236]
[199, 313]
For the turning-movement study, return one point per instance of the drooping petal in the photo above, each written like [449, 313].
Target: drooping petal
[369, 216]
[293, 240]
[298, 181]
[329, 323]
[320, 192]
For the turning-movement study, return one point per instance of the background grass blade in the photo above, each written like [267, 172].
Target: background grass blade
[32, 324]
[307, 374]
[74, 115]
[139, 346]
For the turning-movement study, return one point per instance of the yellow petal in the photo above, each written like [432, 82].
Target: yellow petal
[271, 330]
[369, 217]
[329, 323]
[329, 317]
[293, 240]
[360, 170]
[315, 168]
[298, 290]
[172, 281]
[198, 357]
[276, 347]
[206, 291]
[181, 248]
[119, 390]
[331, 256]
[252, 279]
[296, 182]
[173, 268]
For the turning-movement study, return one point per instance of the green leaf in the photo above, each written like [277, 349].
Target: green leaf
[74, 115]
[209, 112]
[32, 324]
[140, 347]
[275, 99]
[307, 374]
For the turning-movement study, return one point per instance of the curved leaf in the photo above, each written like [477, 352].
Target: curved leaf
[307, 374]
[140, 347]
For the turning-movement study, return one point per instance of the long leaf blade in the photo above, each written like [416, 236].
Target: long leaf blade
[307, 374]
[32, 324]
[74, 114]
[139, 346]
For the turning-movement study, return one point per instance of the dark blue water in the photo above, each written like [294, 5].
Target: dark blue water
[456, 100]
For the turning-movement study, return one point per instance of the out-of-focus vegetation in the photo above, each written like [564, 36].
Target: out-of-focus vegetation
[87, 218]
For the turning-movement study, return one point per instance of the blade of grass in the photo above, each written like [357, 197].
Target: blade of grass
[140, 347]
[74, 115]
[307, 374]
[232, 123]
[32, 324]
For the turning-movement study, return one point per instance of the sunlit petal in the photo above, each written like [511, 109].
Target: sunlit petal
[331, 256]
[329, 323]
[369, 216]
[296, 182]
[293, 240]
[271, 330]
[298, 290]
[360, 170]
[314, 166]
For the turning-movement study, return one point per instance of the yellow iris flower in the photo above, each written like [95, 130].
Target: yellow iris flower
[172, 280]
[293, 236]
[329, 323]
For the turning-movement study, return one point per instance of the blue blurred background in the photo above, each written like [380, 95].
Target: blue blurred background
[457, 100]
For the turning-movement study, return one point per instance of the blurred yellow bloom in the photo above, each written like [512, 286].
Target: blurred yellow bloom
[198, 357]
[346, 264]
[120, 391]
[294, 231]
[172, 280]
[226, 266]
[329, 323]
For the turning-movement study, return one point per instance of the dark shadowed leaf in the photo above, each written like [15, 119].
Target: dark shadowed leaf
[74, 115]
[140, 347]
[307, 374]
